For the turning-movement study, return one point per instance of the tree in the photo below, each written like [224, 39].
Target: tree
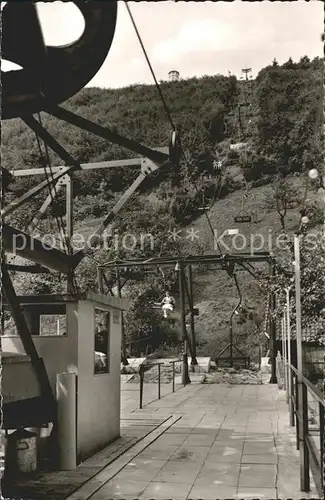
[304, 63]
[289, 64]
[283, 197]
[288, 122]
[312, 265]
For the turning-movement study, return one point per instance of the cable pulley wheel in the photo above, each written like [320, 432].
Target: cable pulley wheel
[175, 149]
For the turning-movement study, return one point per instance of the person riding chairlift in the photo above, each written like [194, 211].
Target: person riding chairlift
[168, 304]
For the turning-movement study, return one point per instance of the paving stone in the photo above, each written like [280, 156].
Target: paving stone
[256, 493]
[190, 453]
[170, 439]
[288, 480]
[196, 439]
[257, 476]
[259, 459]
[178, 472]
[259, 448]
[141, 470]
[227, 455]
[231, 444]
[212, 492]
[160, 490]
[118, 489]
[179, 429]
[154, 453]
[218, 474]
[205, 431]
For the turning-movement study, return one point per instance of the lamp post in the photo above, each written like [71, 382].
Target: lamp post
[288, 327]
[180, 268]
[231, 336]
[302, 423]
[192, 325]
[273, 379]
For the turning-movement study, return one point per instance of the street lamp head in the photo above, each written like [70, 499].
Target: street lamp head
[313, 173]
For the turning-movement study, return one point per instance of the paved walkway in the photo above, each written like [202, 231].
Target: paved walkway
[227, 442]
[58, 485]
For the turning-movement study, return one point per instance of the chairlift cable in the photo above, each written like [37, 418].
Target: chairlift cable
[68, 248]
[319, 116]
[150, 67]
[59, 220]
[49, 182]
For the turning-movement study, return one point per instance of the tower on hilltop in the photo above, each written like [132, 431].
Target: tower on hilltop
[173, 75]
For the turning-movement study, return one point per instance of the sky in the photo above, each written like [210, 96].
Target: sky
[195, 38]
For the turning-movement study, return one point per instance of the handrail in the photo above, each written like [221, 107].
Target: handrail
[142, 371]
[312, 457]
[315, 392]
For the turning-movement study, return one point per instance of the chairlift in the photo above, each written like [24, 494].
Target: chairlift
[172, 313]
[217, 165]
[204, 207]
[243, 216]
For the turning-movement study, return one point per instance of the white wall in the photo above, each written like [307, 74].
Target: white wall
[98, 395]
[59, 353]
[18, 380]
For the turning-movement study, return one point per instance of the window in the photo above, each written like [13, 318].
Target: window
[102, 342]
[52, 324]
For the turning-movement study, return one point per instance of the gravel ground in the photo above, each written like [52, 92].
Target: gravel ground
[221, 376]
[233, 376]
[151, 374]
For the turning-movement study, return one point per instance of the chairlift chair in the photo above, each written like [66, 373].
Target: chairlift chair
[171, 315]
[243, 216]
[204, 207]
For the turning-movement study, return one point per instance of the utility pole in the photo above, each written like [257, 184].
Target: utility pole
[231, 342]
[69, 222]
[324, 205]
[100, 283]
[119, 292]
[185, 377]
[302, 391]
[273, 379]
[192, 326]
[323, 454]
[288, 325]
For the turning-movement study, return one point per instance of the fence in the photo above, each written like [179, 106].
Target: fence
[144, 368]
[306, 410]
[314, 370]
[309, 427]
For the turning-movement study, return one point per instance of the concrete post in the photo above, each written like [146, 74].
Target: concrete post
[66, 384]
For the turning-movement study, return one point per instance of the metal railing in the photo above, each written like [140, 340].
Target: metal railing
[314, 369]
[144, 368]
[309, 440]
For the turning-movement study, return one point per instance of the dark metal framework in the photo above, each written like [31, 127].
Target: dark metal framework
[49, 76]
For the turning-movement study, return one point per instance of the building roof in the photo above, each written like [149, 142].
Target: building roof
[115, 302]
